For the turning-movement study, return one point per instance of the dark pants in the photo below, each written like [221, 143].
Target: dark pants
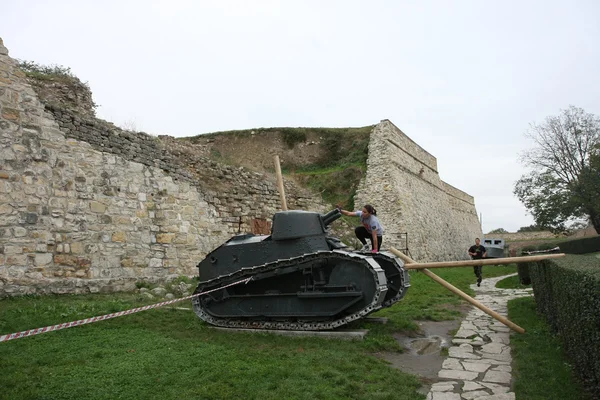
[362, 234]
[477, 269]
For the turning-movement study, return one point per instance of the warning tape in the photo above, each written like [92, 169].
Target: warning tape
[38, 331]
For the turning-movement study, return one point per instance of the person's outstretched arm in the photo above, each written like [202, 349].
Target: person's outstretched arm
[348, 213]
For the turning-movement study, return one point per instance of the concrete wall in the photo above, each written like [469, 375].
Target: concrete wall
[403, 184]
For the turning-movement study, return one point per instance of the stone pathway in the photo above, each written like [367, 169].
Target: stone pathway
[479, 362]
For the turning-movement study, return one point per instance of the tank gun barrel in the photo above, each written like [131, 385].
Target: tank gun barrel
[331, 216]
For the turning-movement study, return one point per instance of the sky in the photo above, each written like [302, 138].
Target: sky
[463, 79]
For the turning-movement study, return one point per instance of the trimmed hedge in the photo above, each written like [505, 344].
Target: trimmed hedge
[567, 292]
[580, 246]
[523, 268]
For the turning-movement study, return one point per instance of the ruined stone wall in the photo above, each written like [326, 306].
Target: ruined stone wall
[403, 184]
[87, 207]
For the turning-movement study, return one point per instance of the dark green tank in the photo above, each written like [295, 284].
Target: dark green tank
[301, 278]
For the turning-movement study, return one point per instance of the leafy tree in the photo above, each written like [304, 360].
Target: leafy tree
[588, 187]
[499, 230]
[563, 183]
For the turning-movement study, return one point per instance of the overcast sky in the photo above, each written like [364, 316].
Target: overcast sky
[463, 79]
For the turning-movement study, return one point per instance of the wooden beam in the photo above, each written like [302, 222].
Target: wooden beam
[454, 289]
[280, 183]
[483, 261]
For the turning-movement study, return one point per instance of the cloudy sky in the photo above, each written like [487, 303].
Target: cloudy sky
[463, 79]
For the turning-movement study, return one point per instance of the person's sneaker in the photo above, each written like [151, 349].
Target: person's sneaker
[479, 281]
[365, 247]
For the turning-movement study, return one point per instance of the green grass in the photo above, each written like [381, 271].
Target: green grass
[168, 354]
[428, 300]
[540, 369]
[512, 282]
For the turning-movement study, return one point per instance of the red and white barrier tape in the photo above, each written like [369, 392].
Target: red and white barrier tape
[32, 332]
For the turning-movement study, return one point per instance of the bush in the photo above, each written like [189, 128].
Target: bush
[581, 246]
[567, 292]
[523, 268]
[292, 136]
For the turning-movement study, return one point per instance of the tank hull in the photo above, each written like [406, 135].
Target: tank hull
[297, 278]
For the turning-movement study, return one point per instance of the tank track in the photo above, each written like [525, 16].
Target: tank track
[402, 276]
[304, 325]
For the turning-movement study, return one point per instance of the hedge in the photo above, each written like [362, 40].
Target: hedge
[523, 268]
[580, 246]
[567, 292]
[574, 246]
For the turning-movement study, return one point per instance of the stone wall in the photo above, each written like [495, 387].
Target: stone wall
[519, 236]
[403, 184]
[87, 207]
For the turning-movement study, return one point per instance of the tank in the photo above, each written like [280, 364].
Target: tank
[300, 278]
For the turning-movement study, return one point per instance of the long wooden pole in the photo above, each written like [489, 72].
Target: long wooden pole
[459, 292]
[483, 261]
[280, 184]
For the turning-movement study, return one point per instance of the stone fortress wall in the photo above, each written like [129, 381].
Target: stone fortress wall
[88, 207]
[403, 184]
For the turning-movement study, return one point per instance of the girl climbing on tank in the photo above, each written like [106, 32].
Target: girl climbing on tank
[370, 227]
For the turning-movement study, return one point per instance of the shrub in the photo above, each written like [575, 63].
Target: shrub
[40, 71]
[292, 136]
[523, 268]
[567, 292]
[581, 246]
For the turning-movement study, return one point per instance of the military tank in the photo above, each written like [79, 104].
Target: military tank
[299, 278]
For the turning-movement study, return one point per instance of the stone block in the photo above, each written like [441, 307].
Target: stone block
[455, 374]
[43, 259]
[502, 396]
[19, 231]
[452, 363]
[494, 348]
[495, 388]
[97, 207]
[443, 396]
[10, 114]
[446, 386]
[497, 377]
[119, 237]
[469, 386]
[10, 250]
[65, 259]
[17, 259]
[165, 237]
[475, 367]
[77, 248]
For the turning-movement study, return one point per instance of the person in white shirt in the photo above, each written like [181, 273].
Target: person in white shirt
[370, 229]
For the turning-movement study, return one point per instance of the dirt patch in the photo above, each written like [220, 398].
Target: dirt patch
[424, 352]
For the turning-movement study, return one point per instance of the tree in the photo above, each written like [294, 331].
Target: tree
[499, 230]
[588, 187]
[563, 183]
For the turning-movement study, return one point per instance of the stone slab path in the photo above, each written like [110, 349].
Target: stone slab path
[479, 361]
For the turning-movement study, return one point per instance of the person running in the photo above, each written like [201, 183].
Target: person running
[370, 229]
[477, 252]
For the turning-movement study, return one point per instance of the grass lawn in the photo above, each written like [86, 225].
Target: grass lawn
[511, 282]
[540, 369]
[171, 354]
